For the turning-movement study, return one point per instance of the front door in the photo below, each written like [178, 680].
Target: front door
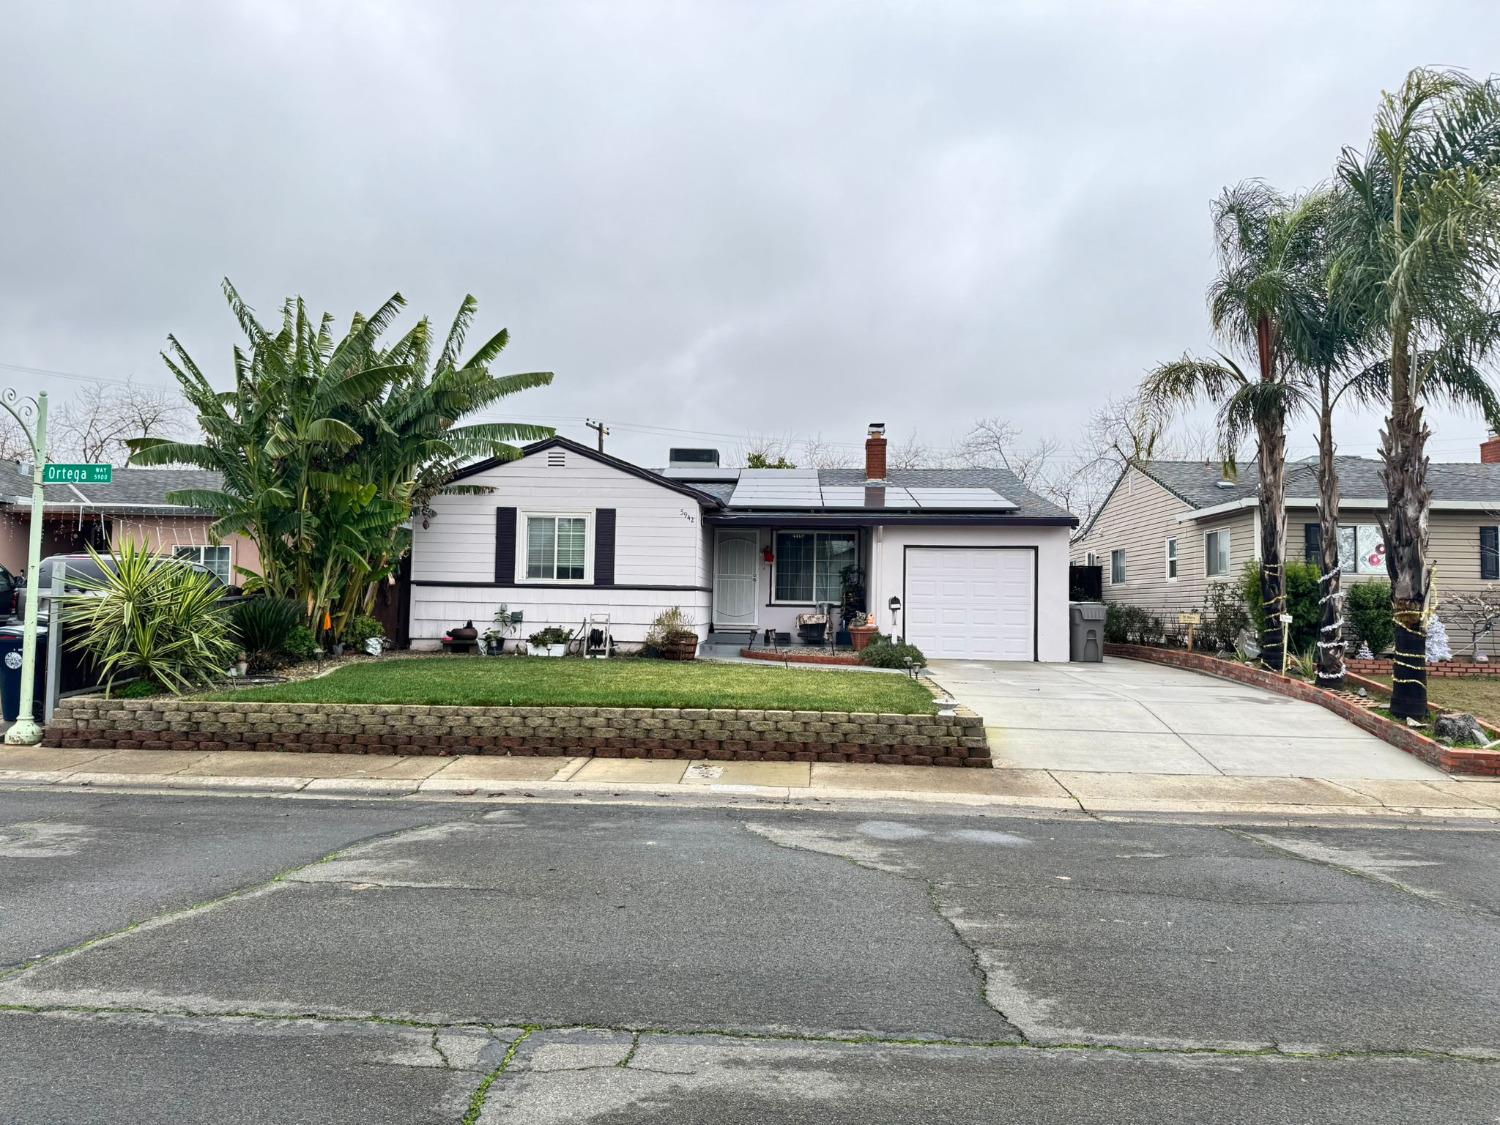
[736, 565]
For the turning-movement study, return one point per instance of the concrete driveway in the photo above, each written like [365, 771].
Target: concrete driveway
[1123, 716]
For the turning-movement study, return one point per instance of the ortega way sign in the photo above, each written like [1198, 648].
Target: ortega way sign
[77, 474]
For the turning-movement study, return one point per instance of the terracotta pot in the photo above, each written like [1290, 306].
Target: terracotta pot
[861, 636]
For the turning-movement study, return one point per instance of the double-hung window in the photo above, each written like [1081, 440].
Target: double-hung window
[1117, 568]
[1216, 553]
[556, 548]
[810, 565]
[215, 559]
[1172, 559]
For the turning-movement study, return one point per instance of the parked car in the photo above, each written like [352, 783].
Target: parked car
[79, 569]
[10, 585]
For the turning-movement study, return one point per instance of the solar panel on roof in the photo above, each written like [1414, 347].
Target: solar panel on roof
[961, 498]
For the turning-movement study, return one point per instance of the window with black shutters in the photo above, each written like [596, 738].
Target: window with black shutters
[1489, 553]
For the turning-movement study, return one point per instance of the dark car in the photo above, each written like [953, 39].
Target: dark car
[10, 587]
[79, 570]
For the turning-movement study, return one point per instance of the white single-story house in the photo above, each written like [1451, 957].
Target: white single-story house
[963, 563]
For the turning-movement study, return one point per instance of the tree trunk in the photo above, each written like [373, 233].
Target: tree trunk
[1330, 579]
[1403, 444]
[1271, 465]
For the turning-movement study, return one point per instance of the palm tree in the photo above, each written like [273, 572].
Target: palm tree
[1416, 248]
[1265, 243]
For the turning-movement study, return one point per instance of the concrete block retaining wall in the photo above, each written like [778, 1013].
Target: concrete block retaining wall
[96, 723]
[1451, 759]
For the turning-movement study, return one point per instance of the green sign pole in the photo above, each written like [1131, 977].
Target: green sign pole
[25, 731]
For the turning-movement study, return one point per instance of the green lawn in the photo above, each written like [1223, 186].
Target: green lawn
[1479, 695]
[542, 682]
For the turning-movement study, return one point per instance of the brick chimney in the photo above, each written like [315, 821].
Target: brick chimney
[1489, 450]
[875, 453]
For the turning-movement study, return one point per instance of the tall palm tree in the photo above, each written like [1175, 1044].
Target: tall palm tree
[1416, 251]
[1265, 242]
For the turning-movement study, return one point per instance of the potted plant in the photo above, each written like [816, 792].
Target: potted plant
[861, 631]
[551, 641]
[672, 635]
[506, 623]
[680, 644]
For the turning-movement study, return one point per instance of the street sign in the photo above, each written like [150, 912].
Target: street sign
[77, 474]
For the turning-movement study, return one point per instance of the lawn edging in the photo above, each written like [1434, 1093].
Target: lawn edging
[792, 656]
[1436, 669]
[96, 723]
[1449, 759]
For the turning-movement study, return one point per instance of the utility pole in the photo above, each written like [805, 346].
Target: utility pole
[25, 731]
[599, 428]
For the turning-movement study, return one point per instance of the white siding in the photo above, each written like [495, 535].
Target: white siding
[1051, 543]
[659, 542]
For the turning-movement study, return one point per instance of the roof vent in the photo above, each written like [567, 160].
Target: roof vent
[692, 458]
[556, 459]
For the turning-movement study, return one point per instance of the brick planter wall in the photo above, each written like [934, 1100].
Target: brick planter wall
[1446, 669]
[792, 656]
[1447, 758]
[96, 723]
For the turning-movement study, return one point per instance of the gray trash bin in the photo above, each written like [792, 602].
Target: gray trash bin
[1086, 631]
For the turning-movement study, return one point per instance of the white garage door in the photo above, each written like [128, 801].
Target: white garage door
[972, 602]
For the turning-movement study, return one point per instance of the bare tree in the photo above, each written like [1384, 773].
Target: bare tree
[913, 454]
[819, 453]
[100, 418]
[13, 443]
[996, 443]
[763, 452]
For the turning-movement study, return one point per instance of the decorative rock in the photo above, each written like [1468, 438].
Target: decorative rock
[1459, 727]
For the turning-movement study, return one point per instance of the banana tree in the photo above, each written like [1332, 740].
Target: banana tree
[1415, 234]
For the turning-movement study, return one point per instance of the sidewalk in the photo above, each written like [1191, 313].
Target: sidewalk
[372, 775]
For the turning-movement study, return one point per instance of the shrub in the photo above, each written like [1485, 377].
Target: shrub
[669, 623]
[1224, 616]
[1130, 624]
[1117, 623]
[1367, 610]
[1301, 602]
[263, 626]
[151, 618]
[362, 628]
[301, 644]
[882, 652]
[139, 689]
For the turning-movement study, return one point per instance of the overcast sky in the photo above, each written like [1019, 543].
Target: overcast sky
[727, 218]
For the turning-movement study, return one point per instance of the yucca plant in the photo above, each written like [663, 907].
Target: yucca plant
[263, 626]
[152, 618]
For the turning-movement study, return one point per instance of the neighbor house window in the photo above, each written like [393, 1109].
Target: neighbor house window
[556, 548]
[1216, 553]
[1172, 560]
[810, 565]
[1092, 560]
[1489, 553]
[215, 559]
[1117, 568]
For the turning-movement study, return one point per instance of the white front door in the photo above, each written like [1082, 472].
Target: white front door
[977, 603]
[736, 566]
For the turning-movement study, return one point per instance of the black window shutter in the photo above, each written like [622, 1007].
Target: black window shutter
[1312, 542]
[604, 546]
[1489, 553]
[505, 546]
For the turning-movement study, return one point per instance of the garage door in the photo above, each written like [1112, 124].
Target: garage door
[972, 602]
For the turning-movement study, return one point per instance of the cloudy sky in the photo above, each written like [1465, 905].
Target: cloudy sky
[725, 218]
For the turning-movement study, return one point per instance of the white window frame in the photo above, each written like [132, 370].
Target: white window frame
[1228, 571]
[845, 533]
[1124, 567]
[1172, 565]
[200, 548]
[1091, 559]
[523, 537]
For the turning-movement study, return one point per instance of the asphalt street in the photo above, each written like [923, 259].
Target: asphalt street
[240, 959]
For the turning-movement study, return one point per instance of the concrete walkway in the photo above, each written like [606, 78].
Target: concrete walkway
[796, 784]
[1124, 716]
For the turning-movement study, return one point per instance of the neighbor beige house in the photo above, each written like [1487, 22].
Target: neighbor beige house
[1171, 528]
[132, 507]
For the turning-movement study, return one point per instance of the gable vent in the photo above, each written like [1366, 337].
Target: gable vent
[556, 458]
